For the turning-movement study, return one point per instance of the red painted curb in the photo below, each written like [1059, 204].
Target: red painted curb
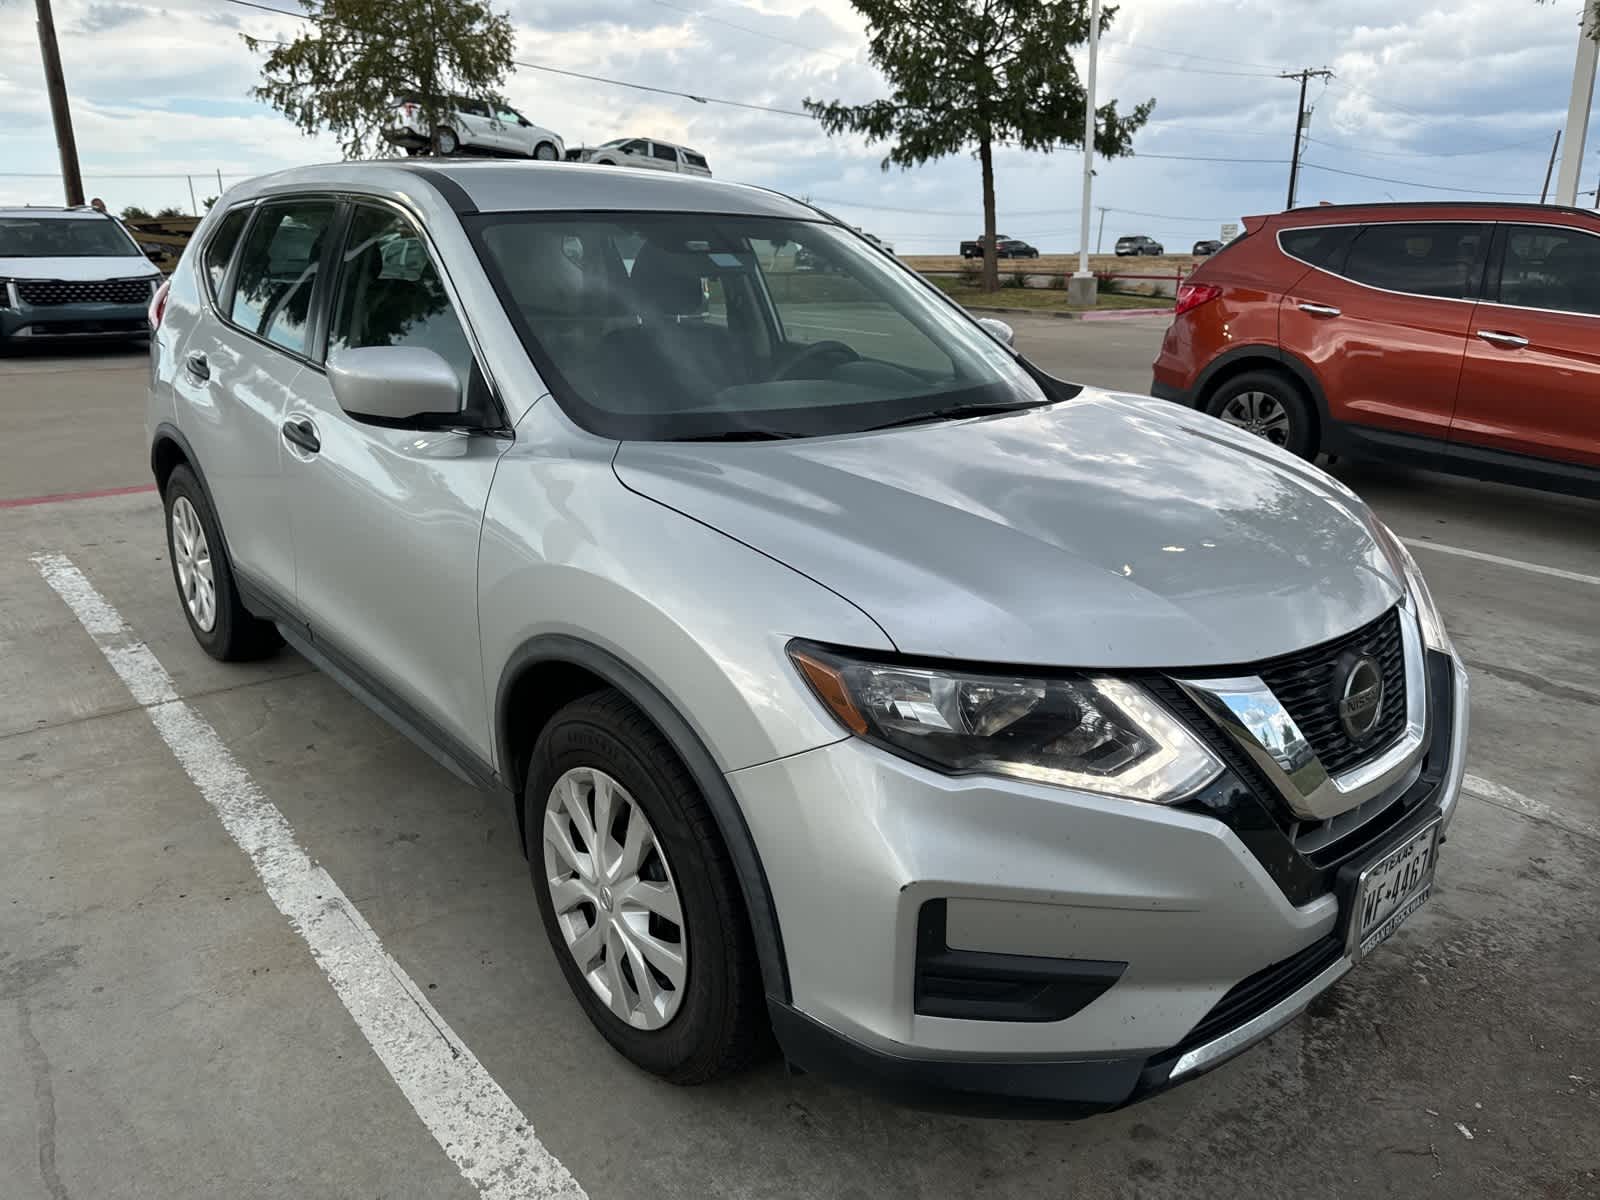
[63, 497]
[1123, 314]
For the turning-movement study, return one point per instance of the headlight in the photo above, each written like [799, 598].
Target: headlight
[1090, 732]
[1420, 599]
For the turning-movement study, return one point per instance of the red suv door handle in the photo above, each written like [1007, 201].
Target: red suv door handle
[1319, 310]
[1509, 341]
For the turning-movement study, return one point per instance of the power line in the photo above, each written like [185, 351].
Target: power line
[1233, 62]
[638, 87]
[1161, 66]
[1432, 187]
[1207, 158]
[1348, 149]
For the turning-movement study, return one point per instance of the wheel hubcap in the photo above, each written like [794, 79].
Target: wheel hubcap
[1260, 414]
[614, 896]
[192, 556]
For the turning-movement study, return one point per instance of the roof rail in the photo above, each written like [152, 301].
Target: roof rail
[1531, 204]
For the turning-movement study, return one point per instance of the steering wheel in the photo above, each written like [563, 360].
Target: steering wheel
[814, 352]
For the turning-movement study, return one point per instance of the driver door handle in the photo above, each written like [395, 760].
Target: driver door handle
[299, 431]
[1508, 341]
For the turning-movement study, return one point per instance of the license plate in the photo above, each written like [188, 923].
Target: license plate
[1391, 889]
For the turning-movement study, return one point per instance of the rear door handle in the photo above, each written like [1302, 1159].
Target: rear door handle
[1510, 341]
[1319, 310]
[197, 366]
[299, 431]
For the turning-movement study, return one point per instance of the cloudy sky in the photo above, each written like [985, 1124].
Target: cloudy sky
[1428, 95]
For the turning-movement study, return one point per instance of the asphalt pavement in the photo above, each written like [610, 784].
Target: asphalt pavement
[167, 1031]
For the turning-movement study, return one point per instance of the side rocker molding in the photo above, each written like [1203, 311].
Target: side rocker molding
[719, 796]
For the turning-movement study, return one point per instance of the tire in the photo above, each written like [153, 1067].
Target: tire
[714, 1023]
[446, 139]
[1270, 405]
[545, 152]
[223, 627]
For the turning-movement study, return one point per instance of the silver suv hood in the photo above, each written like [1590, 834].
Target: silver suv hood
[1105, 531]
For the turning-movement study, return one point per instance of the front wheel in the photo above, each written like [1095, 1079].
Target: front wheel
[545, 152]
[1271, 406]
[638, 894]
[446, 140]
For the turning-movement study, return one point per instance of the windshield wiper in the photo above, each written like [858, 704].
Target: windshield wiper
[960, 410]
[737, 435]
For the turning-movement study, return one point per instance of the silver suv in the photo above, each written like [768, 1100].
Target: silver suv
[986, 738]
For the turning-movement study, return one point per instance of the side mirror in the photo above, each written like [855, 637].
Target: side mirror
[394, 383]
[999, 331]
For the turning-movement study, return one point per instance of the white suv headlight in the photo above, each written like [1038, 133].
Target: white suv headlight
[1091, 732]
[1419, 598]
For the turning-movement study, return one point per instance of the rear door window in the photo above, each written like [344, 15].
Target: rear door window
[278, 269]
[219, 252]
[665, 153]
[1547, 267]
[1320, 245]
[1441, 259]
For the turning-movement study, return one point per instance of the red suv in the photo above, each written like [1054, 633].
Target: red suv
[1462, 337]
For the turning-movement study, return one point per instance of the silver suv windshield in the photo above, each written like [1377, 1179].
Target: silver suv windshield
[64, 237]
[684, 326]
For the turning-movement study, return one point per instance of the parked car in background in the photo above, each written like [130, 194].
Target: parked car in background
[837, 667]
[1455, 336]
[475, 126]
[1206, 248]
[71, 273]
[651, 154]
[1138, 244]
[1004, 247]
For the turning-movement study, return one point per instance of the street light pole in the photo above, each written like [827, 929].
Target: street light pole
[1577, 133]
[55, 83]
[1081, 288]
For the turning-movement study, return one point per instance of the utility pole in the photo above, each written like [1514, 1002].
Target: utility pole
[1578, 111]
[1099, 238]
[55, 83]
[1300, 121]
[1082, 288]
[1550, 170]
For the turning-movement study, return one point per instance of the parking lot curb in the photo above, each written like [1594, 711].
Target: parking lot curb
[1109, 315]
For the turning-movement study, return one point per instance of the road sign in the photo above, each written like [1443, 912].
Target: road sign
[1229, 232]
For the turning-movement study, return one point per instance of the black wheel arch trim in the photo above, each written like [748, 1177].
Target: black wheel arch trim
[1270, 355]
[753, 885]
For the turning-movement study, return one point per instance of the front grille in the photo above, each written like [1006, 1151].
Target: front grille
[1307, 685]
[1251, 997]
[45, 293]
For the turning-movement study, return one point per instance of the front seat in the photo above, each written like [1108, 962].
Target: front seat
[669, 292]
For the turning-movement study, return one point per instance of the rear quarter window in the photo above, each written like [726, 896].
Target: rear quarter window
[1320, 245]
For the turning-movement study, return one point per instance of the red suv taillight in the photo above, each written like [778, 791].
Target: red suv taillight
[158, 304]
[1193, 295]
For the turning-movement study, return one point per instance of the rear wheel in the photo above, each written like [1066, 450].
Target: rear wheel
[445, 138]
[217, 617]
[638, 894]
[1269, 405]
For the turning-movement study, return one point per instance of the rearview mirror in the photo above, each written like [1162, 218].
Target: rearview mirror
[394, 383]
[998, 330]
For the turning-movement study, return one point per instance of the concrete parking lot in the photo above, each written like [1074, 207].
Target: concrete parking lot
[166, 1032]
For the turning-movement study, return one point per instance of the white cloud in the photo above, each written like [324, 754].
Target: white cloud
[163, 89]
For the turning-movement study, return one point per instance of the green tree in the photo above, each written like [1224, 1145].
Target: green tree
[171, 210]
[134, 213]
[979, 73]
[342, 72]
[208, 202]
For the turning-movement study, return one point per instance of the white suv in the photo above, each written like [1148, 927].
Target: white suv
[646, 152]
[476, 125]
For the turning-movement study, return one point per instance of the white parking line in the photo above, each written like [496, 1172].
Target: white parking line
[1501, 796]
[1497, 560]
[478, 1126]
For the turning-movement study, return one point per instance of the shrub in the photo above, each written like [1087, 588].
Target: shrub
[971, 272]
[1058, 283]
[1017, 279]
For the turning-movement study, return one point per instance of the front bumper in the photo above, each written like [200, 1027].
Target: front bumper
[74, 321]
[1177, 942]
